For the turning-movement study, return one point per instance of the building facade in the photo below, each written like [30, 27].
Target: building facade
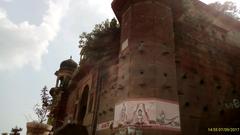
[176, 72]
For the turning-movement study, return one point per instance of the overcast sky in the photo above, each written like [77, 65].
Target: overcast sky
[35, 36]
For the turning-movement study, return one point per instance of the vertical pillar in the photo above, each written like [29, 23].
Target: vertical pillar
[57, 82]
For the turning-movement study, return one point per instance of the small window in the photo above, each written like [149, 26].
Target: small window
[61, 81]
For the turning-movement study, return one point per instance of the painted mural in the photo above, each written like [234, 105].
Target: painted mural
[147, 113]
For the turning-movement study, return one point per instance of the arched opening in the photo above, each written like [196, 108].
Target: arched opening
[61, 81]
[83, 104]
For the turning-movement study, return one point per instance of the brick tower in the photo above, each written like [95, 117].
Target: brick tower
[147, 69]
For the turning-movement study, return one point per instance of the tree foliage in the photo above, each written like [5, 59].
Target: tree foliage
[42, 110]
[15, 131]
[228, 8]
[92, 44]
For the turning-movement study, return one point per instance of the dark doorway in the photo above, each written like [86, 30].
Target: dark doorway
[83, 104]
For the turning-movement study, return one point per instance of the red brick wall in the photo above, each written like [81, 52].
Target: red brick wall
[208, 72]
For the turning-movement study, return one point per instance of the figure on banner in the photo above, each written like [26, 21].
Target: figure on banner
[140, 115]
[162, 120]
[123, 115]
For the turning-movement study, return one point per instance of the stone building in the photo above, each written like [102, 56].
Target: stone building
[174, 69]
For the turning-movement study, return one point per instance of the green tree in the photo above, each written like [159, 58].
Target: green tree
[228, 8]
[92, 44]
[42, 110]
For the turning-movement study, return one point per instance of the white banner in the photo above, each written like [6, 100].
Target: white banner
[147, 113]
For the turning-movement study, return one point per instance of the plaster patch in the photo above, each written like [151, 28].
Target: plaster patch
[105, 125]
[124, 45]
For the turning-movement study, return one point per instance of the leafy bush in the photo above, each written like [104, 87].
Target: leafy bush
[94, 45]
[228, 8]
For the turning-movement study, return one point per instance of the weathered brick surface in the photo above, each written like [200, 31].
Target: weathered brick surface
[207, 72]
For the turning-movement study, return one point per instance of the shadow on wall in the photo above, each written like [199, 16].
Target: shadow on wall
[72, 129]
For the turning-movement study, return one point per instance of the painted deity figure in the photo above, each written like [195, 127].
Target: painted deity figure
[140, 115]
[123, 115]
[162, 120]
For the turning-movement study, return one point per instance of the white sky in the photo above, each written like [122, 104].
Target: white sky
[35, 36]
